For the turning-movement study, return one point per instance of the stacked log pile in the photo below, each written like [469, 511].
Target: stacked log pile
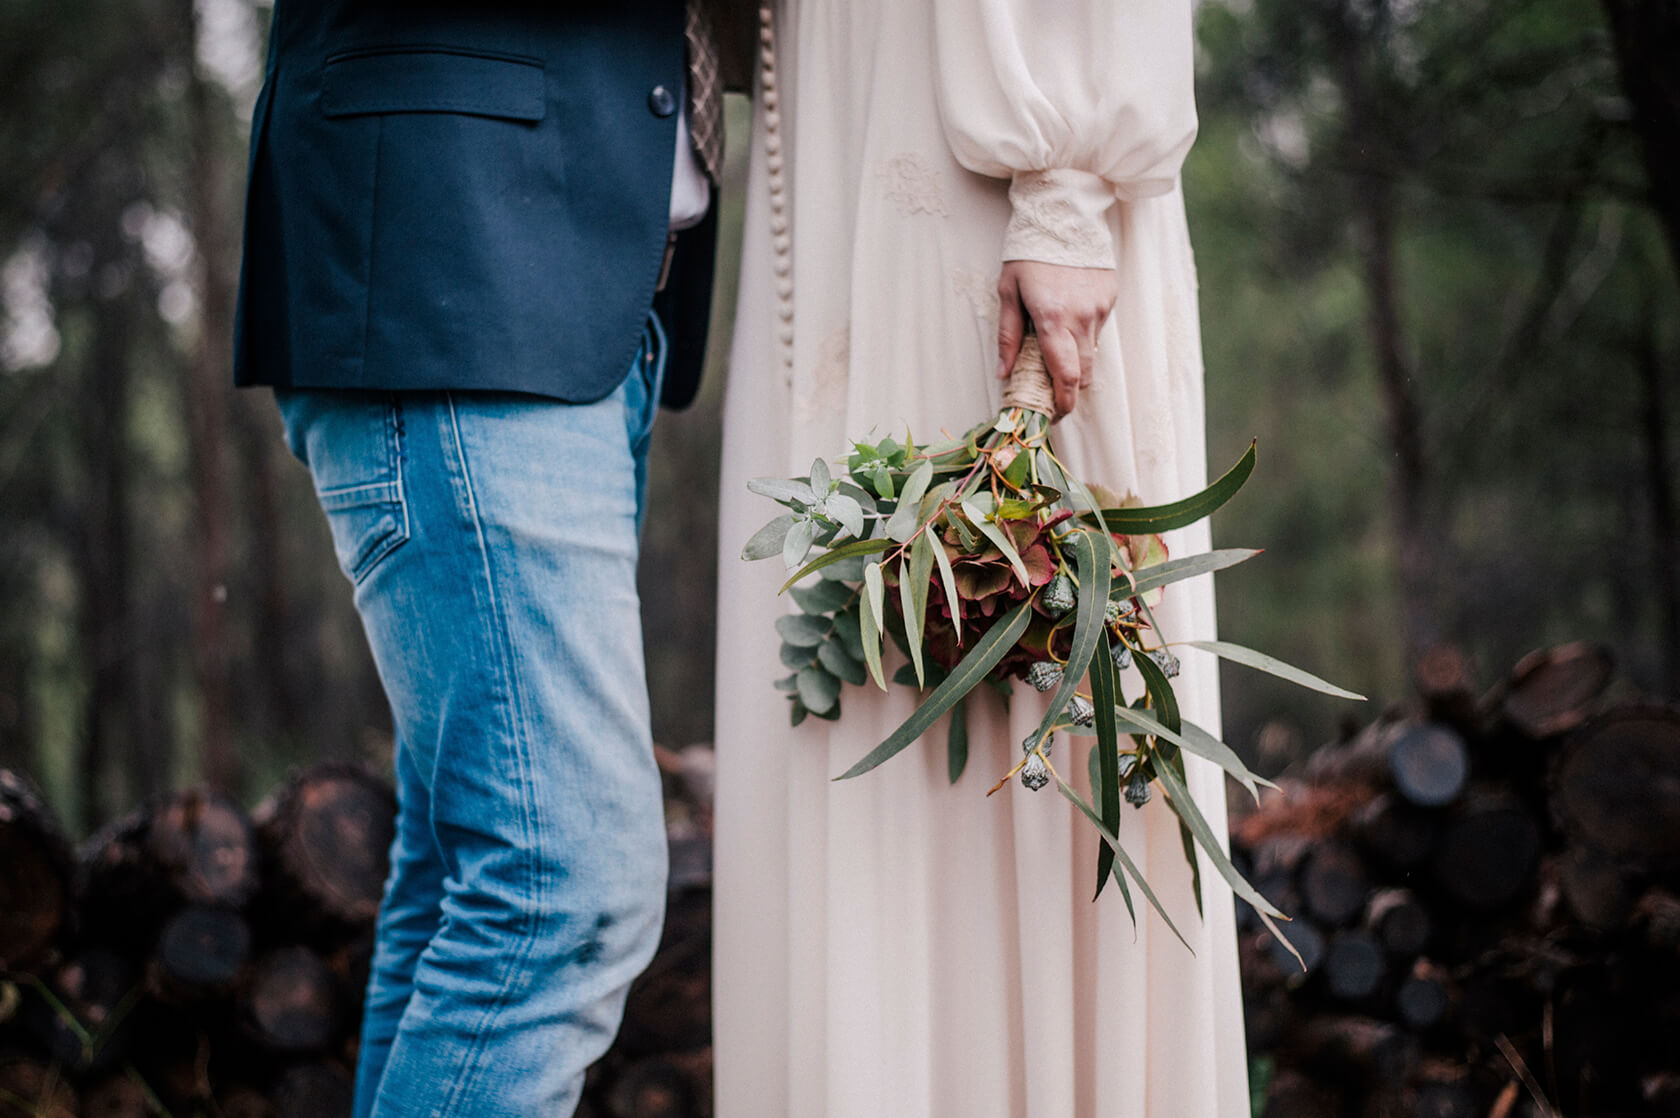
[1486, 893]
[191, 959]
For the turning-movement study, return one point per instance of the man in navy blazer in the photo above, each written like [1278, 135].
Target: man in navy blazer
[462, 279]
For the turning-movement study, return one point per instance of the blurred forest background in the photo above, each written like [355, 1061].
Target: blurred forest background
[1438, 243]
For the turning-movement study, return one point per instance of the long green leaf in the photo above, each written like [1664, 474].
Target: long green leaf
[875, 591]
[1178, 514]
[1105, 694]
[902, 524]
[835, 555]
[1161, 696]
[956, 742]
[985, 654]
[948, 579]
[1249, 658]
[912, 619]
[1188, 842]
[1124, 859]
[999, 537]
[1173, 570]
[1193, 739]
[1087, 625]
[871, 627]
[1093, 764]
[1185, 808]
[915, 605]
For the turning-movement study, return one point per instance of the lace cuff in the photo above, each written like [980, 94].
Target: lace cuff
[1060, 217]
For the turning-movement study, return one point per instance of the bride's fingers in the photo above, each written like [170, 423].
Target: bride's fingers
[1087, 357]
[1011, 322]
[1061, 358]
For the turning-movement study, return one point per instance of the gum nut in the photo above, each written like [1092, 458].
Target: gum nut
[1035, 774]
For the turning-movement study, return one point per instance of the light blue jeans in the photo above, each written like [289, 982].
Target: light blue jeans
[492, 541]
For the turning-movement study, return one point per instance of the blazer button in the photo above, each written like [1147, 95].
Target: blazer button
[661, 101]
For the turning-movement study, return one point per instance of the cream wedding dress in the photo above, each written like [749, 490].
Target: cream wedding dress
[896, 946]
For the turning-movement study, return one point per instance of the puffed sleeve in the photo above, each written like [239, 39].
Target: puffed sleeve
[1076, 102]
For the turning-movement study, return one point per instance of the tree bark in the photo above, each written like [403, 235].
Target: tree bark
[1646, 38]
[1403, 414]
[207, 390]
[1659, 491]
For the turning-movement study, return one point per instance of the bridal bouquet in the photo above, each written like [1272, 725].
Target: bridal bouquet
[985, 560]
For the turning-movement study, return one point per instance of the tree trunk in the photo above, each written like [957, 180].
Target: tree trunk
[1646, 36]
[104, 542]
[1659, 491]
[1403, 414]
[208, 388]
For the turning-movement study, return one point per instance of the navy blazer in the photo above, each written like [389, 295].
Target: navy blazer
[467, 195]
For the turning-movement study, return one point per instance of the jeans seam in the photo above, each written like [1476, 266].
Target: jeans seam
[512, 972]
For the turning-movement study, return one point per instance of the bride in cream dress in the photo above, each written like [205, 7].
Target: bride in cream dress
[896, 946]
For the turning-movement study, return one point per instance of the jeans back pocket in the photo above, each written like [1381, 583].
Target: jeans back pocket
[352, 444]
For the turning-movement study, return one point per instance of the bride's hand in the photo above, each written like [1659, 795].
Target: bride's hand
[1067, 307]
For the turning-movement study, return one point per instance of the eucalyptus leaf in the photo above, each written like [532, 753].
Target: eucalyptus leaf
[1093, 765]
[788, 684]
[871, 629]
[1018, 469]
[1249, 658]
[956, 741]
[847, 512]
[860, 495]
[1186, 810]
[985, 654]
[912, 621]
[785, 490]
[767, 541]
[1161, 697]
[998, 537]
[803, 630]
[845, 551]
[915, 602]
[799, 711]
[905, 519]
[1105, 695]
[875, 592]
[823, 597]
[818, 690]
[1188, 842]
[848, 630]
[1178, 514]
[947, 579]
[820, 485]
[1193, 739]
[1124, 859]
[831, 654]
[1093, 575]
[797, 543]
[794, 656]
[1145, 579]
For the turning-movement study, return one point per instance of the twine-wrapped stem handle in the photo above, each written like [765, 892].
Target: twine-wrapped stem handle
[1029, 385]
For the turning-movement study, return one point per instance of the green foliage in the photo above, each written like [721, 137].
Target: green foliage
[1027, 551]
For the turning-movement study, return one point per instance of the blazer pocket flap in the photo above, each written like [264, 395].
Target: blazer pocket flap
[433, 81]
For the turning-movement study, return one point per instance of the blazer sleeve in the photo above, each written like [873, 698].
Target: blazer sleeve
[1078, 103]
